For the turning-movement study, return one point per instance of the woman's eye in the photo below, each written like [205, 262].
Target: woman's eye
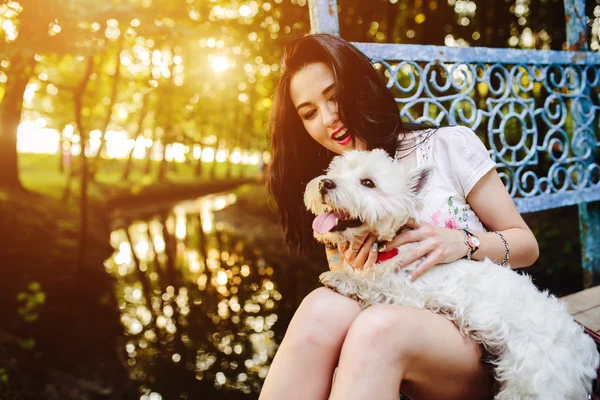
[368, 183]
[309, 114]
[333, 98]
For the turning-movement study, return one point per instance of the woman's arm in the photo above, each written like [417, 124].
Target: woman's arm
[493, 205]
[334, 257]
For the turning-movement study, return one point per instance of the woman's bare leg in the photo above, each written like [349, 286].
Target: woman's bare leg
[304, 363]
[391, 346]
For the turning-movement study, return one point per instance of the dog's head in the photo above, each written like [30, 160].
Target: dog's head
[364, 191]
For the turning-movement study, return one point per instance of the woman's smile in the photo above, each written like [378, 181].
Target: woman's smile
[342, 136]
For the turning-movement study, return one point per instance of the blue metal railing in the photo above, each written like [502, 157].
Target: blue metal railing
[537, 110]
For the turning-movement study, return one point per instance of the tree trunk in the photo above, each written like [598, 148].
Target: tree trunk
[143, 112]
[249, 128]
[228, 164]
[174, 168]
[213, 166]
[127, 168]
[19, 72]
[166, 138]
[199, 164]
[148, 167]
[392, 20]
[237, 140]
[189, 156]
[84, 134]
[61, 153]
[113, 99]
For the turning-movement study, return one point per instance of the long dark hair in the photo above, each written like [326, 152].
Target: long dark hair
[365, 105]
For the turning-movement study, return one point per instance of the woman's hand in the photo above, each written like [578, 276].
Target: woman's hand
[362, 253]
[437, 245]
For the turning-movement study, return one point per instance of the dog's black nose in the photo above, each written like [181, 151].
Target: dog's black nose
[325, 185]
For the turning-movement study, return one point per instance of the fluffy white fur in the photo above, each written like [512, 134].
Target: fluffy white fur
[538, 350]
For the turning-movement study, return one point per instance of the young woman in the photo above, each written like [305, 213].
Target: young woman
[330, 99]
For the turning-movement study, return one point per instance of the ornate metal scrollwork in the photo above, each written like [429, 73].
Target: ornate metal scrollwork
[540, 121]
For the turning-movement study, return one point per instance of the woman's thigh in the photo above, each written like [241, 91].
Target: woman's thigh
[310, 349]
[436, 361]
[446, 364]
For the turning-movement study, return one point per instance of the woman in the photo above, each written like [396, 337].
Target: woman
[329, 100]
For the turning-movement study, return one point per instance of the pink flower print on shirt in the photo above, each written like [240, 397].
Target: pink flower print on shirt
[451, 223]
[435, 217]
[449, 219]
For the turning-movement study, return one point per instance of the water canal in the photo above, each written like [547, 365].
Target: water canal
[203, 306]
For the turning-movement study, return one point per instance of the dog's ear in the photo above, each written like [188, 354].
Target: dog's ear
[419, 177]
[311, 195]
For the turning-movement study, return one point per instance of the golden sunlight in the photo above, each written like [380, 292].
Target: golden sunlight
[34, 137]
[221, 278]
[8, 14]
[220, 64]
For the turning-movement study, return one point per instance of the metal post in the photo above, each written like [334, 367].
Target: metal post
[577, 31]
[324, 17]
[589, 232]
[589, 213]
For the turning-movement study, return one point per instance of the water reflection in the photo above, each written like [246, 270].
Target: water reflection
[198, 306]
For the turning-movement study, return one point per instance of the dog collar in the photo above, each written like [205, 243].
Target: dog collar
[381, 257]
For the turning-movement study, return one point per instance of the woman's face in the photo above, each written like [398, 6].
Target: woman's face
[312, 91]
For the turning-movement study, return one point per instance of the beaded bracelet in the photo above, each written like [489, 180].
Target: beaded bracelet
[506, 250]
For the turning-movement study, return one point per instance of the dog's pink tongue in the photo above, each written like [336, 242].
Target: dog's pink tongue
[325, 222]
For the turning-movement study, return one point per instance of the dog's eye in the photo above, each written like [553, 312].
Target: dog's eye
[367, 182]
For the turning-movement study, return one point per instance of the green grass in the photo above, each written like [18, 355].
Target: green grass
[255, 200]
[40, 173]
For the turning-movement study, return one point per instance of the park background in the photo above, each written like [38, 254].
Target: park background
[140, 253]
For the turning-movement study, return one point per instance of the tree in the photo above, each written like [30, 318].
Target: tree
[19, 72]
[36, 21]
[76, 27]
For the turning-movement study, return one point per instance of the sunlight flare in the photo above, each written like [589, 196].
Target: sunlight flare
[220, 63]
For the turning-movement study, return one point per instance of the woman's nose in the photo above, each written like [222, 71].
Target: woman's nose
[330, 115]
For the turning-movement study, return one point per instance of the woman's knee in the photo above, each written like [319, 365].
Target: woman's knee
[386, 329]
[322, 319]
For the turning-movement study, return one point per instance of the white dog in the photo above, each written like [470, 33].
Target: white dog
[538, 350]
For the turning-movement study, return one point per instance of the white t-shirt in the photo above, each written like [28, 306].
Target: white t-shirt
[460, 161]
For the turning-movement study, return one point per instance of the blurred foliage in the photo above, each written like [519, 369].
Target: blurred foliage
[498, 23]
[31, 302]
[196, 65]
